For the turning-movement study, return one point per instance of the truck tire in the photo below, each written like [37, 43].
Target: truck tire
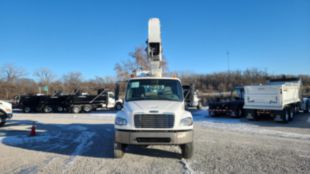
[292, 113]
[118, 106]
[87, 108]
[2, 122]
[285, 115]
[187, 150]
[251, 115]
[76, 109]
[307, 109]
[60, 109]
[27, 109]
[119, 150]
[47, 109]
[239, 113]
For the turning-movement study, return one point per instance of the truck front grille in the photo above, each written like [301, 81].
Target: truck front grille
[154, 120]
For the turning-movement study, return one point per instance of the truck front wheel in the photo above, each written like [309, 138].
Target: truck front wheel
[118, 106]
[119, 150]
[87, 108]
[187, 150]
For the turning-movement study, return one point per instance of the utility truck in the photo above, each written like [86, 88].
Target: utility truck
[6, 112]
[154, 107]
[280, 98]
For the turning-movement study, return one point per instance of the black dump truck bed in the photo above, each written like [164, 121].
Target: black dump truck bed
[61, 103]
[228, 106]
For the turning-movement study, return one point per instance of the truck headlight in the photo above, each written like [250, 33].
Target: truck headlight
[188, 121]
[120, 121]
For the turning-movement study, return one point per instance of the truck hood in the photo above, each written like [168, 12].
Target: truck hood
[154, 106]
[5, 106]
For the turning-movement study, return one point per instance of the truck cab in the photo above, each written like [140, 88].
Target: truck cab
[191, 96]
[154, 114]
[229, 106]
[6, 112]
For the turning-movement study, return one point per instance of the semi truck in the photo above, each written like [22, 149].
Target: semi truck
[228, 106]
[280, 98]
[154, 107]
[75, 103]
[6, 112]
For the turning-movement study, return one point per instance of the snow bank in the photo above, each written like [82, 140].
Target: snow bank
[233, 124]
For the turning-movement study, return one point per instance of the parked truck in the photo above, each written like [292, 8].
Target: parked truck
[228, 106]
[191, 97]
[6, 112]
[280, 98]
[77, 102]
[154, 107]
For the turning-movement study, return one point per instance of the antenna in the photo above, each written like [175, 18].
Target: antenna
[228, 63]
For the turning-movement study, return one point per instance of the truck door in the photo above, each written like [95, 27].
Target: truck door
[111, 100]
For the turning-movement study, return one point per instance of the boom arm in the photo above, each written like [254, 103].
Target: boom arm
[154, 49]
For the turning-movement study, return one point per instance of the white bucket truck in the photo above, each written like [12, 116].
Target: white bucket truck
[154, 108]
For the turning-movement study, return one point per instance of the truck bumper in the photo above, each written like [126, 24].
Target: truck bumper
[6, 116]
[153, 137]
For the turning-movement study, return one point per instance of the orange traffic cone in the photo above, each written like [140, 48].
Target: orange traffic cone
[33, 130]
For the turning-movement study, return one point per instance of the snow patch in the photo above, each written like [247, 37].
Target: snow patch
[187, 167]
[202, 118]
[84, 140]
[253, 129]
[17, 140]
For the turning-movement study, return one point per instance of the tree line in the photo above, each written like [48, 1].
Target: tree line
[14, 80]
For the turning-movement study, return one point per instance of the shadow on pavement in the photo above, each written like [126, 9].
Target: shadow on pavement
[90, 140]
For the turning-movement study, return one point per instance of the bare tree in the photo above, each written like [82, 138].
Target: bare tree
[10, 73]
[44, 75]
[138, 61]
[72, 81]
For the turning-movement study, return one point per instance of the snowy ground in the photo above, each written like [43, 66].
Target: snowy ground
[83, 143]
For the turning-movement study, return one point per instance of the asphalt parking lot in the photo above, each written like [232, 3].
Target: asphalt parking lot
[83, 143]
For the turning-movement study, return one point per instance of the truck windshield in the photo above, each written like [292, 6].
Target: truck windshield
[154, 89]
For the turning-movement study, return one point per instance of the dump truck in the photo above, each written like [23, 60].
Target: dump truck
[280, 98]
[154, 106]
[75, 103]
[228, 106]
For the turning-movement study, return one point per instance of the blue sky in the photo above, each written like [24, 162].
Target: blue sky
[91, 36]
